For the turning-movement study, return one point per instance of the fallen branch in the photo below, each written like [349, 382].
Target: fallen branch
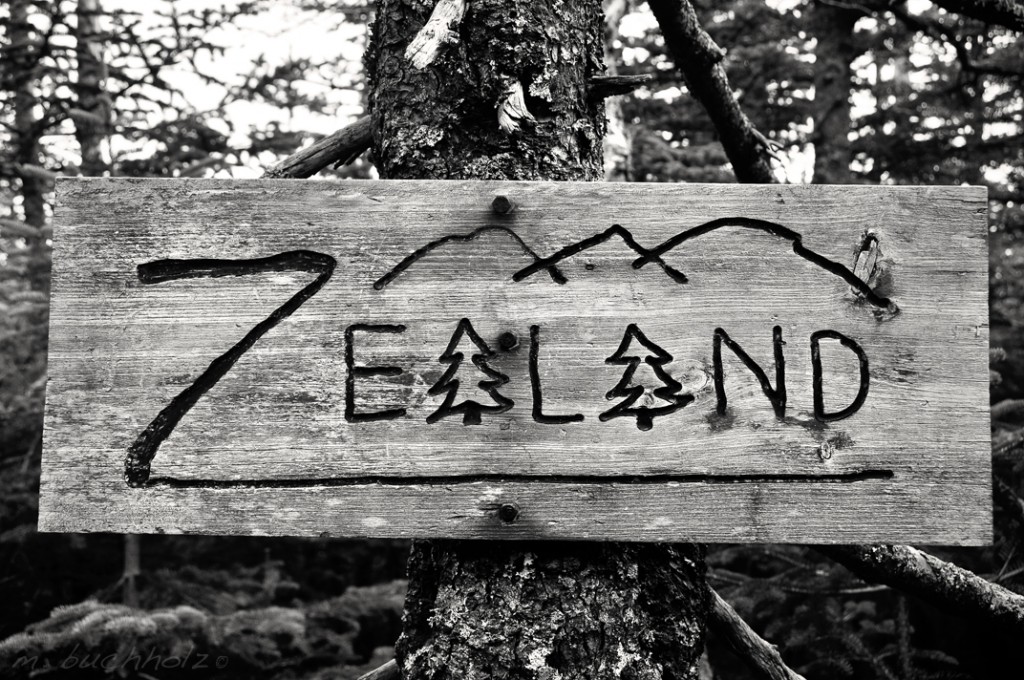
[698, 59]
[342, 146]
[944, 585]
[1005, 443]
[760, 655]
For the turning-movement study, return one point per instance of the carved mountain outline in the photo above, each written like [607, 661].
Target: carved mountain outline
[645, 255]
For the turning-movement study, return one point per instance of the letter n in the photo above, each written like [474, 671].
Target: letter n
[776, 395]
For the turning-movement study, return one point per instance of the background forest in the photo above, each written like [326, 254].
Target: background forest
[859, 91]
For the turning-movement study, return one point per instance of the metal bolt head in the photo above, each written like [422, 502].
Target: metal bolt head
[508, 341]
[503, 205]
[508, 513]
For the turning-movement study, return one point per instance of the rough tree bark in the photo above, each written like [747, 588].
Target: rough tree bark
[513, 610]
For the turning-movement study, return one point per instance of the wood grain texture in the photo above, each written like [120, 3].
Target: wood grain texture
[267, 449]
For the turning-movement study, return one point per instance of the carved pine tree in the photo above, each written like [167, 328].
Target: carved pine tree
[500, 89]
[654, 401]
[451, 386]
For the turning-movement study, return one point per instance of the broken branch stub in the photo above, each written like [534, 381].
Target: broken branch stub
[512, 111]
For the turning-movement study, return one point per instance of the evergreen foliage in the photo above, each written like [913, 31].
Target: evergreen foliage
[338, 637]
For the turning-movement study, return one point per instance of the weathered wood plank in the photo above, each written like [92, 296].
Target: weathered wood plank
[370, 275]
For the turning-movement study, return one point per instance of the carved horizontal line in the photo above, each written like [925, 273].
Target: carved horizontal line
[867, 475]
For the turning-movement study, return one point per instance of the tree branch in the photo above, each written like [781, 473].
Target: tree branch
[698, 59]
[441, 28]
[940, 32]
[942, 584]
[760, 655]
[610, 86]
[939, 583]
[1007, 13]
[340, 147]
[388, 671]
[349, 142]
[512, 109]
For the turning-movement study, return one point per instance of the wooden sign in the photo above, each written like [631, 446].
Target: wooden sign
[519, 360]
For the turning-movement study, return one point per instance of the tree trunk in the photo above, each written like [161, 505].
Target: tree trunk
[27, 134]
[833, 80]
[92, 130]
[93, 118]
[586, 611]
[28, 152]
[505, 609]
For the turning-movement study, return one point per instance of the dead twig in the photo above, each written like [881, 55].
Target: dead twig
[347, 143]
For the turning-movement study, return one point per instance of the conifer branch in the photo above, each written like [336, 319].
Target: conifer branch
[1006, 13]
[11, 228]
[939, 31]
[1008, 408]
